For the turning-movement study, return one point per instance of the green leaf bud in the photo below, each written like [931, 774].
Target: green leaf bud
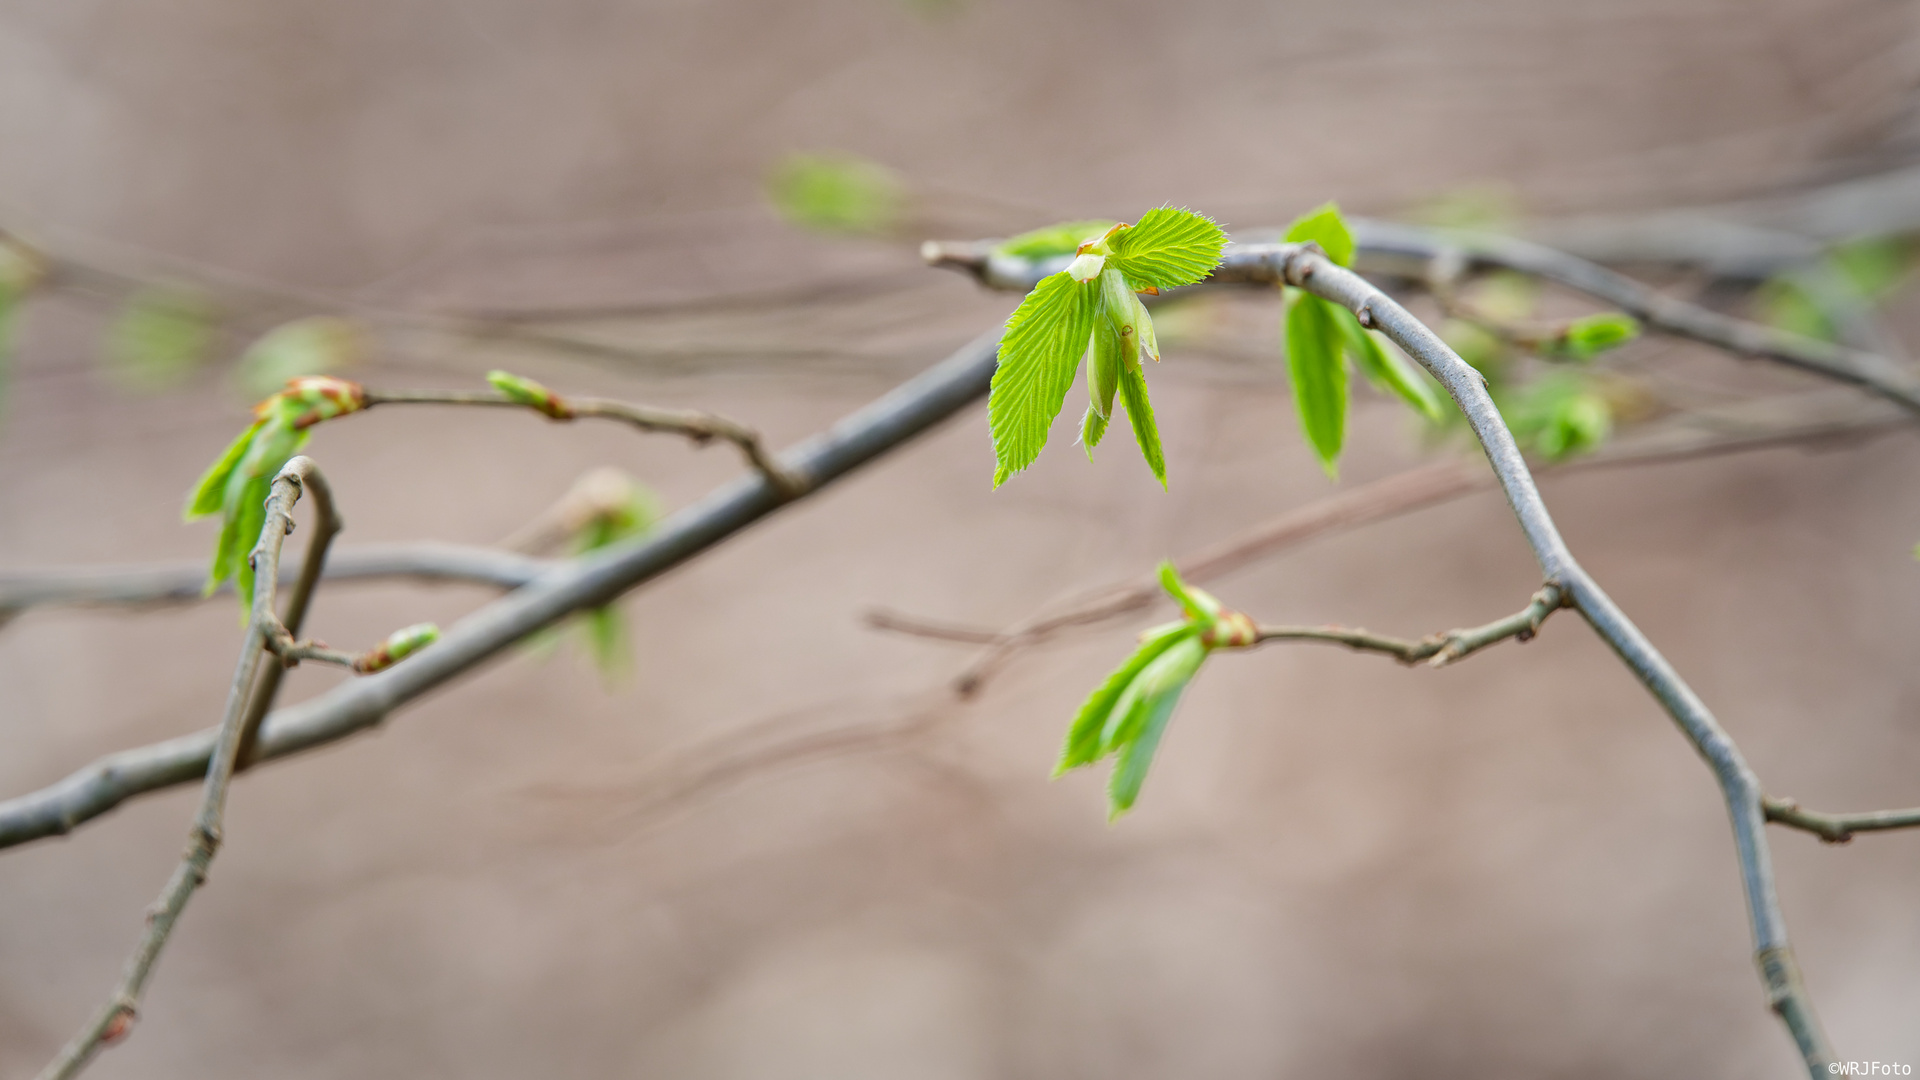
[524, 391]
[399, 645]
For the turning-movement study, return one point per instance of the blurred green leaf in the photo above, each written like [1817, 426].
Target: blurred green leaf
[1054, 240]
[1318, 373]
[1384, 366]
[1477, 346]
[160, 337]
[1561, 416]
[320, 345]
[1167, 248]
[623, 510]
[836, 193]
[1874, 266]
[1323, 225]
[1489, 207]
[1133, 394]
[1587, 337]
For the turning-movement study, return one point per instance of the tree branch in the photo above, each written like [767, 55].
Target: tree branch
[1837, 828]
[698, 427]
[115, 1019]
[1409, 249]
[184, 582]
[1436, 650]
[565, 589]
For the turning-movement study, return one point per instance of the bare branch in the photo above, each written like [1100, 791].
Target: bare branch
[1837, 828]
[185, 582]
[569, 587]
[115, 1019]
[1436, 650]
[698, 427]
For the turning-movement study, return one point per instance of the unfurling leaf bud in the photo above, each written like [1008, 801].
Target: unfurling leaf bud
[1086, 267]
[524, 391]
[1232, 630]
[398, 646]
[310, 399]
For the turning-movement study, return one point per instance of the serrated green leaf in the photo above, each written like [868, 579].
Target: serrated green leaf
[1386, 368]
[159, 338]
[1133, 394]
[319, 345]
[1587, 337]
[1143, 711]
[1084, 743]
[210, 495]
[1319, 375]
[1323, 225]
[1053, 241]
[1039, 353]
[836, 193]
[1168, 247]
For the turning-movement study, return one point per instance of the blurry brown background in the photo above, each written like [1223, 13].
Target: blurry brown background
[1514, 868]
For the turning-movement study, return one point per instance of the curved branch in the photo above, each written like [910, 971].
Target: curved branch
[1436, 650]
[566, 588]
[1306, 268]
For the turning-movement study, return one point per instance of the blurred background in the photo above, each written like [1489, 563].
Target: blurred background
[779, 844]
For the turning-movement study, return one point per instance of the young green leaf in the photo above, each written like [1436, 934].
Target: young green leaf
[1085, 742]
[836, 193]
[1587, 337]
[1168, 247]
[1054, 240]
[1318, 373]
[210, 495]
[1140, 718]
[1199, 605]
[1039, 353]
[1133, 394]
[1386, 368]
[1324, 226]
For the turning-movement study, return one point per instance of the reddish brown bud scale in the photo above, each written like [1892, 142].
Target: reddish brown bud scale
[1231, 630]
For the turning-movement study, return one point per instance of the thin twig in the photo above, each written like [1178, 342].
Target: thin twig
[327, 524]
[698, 427]
[116, 1018]
[184, 582]
[1436, 650]
[1837, 828]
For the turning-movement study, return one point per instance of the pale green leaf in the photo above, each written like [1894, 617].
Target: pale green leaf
[1318, 374]
[1039, 354]
[1168, 247]
[210, 495]
[320, 345]
[160, 337]
[1133, 394]
[1054, 240]
[1143, 712]
[1199, 605]
[1084, 744]
[836, 193]
[1324, 226]
[1561, 416]
[1386, 368]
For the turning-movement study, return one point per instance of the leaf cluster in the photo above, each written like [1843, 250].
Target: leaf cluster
[1126, 716]
[1092, 309]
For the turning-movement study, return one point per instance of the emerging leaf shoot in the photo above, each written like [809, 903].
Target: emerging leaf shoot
[1092, 306]
[1125, 717]
[399, 645]
[237, 485]
[524, 391]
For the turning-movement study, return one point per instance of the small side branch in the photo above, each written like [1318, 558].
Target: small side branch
[1837, 828]
[699, 428]
[1434, 650]
[116, 1018]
